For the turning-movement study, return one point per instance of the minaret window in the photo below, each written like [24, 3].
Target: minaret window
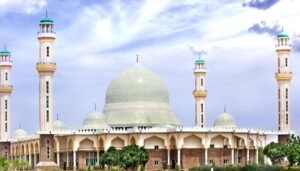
[47, 51]
[5, 115]
[6, 76]
[286, 93]
[5, 127]
[5, 104]
[279, 106]
[202, 118]
[287, 119]
[287, 106]
[201, 81]
[278, 93]
[201, 107]
[47, 101]
[47, 115]
[286, 62]
[47, 87]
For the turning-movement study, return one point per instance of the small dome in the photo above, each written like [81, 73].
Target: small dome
[46, 20]
[199, 60]
[5, 52]
[20, 133]
[95, 120]
[58, 125]
[282, 35]
[225, 120]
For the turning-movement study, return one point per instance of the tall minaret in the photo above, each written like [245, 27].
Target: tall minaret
[283, 77]
[5, 92]
[200, 92]
[46, 68]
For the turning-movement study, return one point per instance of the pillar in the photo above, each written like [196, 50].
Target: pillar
[256, 156]
[232, 156]
[247, 159]
[34, 159]
[30, 160]
[67, 159]
[178, 157]
[168, 162]
[74, 160]
[98, 158]
[57, 158]
[205, 156]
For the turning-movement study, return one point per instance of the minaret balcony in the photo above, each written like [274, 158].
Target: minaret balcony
[200, 70]
[200, 93]
[6, 89]
[45, 35]
[284, 76]
[5, 63]
[283, 48]
[46, 67]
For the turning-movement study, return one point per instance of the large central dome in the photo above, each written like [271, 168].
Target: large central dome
[138, 97]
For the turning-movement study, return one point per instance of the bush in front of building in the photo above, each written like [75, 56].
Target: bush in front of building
[241, 168]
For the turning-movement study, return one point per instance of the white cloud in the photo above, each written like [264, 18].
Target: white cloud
[24, 6]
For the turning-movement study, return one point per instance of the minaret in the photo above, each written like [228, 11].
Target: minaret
[5, 92]
[46, 68]
[283, 77]
[200, 92]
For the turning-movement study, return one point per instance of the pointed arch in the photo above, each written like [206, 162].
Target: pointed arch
[132, 141]
[192, 141]
[118, 142]
[152, 141]
[86, 144]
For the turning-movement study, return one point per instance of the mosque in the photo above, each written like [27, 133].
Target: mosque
[136, 111]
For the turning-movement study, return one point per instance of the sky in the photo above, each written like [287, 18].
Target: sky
[97, 39]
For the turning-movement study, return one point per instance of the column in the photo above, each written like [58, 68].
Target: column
[74, 160]
[168, 162]
[256, 156]
[67, 159]
[178, 157]
[232, 156]
[205, 156]
[57, 158]
[30, 160]
[247, 158]
[34, 159]
[98, 158]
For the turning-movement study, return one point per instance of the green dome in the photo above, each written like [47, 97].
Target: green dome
[20, 133]
[199, 60]
[5, 52]
[225, 120]
[138, 97]
[95, 120]
[282, 34]
[58, 125]
[46, 20]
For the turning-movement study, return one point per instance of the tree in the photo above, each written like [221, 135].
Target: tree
[261, 157]
[293, 150]
[3, 163]
[275, 151]
[144, 157]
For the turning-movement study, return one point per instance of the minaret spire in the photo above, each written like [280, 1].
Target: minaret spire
[283, 77]
[200, 92]
[224, 108]
[137, 58]
[95, 107]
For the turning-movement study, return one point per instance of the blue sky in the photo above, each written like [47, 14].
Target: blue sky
[98, 39]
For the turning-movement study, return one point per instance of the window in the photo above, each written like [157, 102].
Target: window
[225, 161]
[5, 115]
[156, 162]
[5, 127]
[48, 152]
[47, 115]
[287, 106]
[225, 146]
[201, 81]
[201, 107]
[278, 93]
[286, 93]
[212, 146]
[5, 104]
[47, 87]
[287, 118]
[211, 161]
[286, 62]
[6, 76]
[156, 147]
[47, 101]
[47, 51]
[279, 106]
[279, 119]
[202, 119]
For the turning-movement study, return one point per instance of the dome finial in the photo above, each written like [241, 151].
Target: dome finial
[19, 125]
[57, 116]
[224, 108]
[137, 58]
[46, 13]
[95, 107]
[5, 46]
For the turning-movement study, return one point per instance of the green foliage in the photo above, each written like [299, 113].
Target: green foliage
[293, 150]
[3, 163]
[129, 158]
[261, 157]
[241, 168]
[275, 151]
